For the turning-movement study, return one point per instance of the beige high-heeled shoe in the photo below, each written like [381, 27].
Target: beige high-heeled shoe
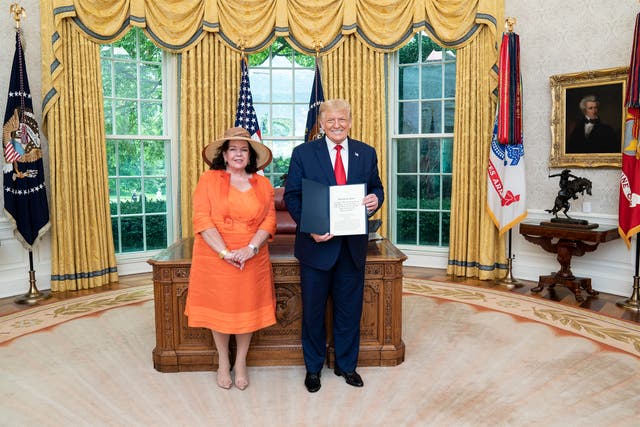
[241, 384]
[224, 381]
[242, 381]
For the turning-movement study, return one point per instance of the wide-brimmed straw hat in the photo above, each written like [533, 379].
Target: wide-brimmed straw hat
[264, 154]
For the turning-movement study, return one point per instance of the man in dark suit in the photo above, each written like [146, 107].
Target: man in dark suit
[591, 135]
[332, 265]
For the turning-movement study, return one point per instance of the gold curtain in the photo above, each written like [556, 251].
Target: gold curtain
[209, 33]
[82, 252]
[209, 87]
[475, 248]
[382, 24]
[252, 24]
[356, 73]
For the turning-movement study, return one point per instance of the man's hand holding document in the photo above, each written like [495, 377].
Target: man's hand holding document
[337, 209]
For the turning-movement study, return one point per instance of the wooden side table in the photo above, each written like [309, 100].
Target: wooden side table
[566, 242]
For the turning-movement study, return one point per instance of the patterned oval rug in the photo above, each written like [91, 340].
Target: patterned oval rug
[465, 364]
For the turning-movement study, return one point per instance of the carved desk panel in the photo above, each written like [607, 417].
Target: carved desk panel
[181, 348]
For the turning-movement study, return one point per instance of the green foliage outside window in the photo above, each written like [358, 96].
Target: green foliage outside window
[426, 103]
[281, 83]
[280, 47]
[277, 170]
[133, 207]
[136, 164]
[411, 51]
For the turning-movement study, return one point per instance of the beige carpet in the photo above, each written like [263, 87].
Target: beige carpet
[474, 357]
[41, 317]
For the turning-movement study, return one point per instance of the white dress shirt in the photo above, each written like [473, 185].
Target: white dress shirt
[344, 153]
[588, 127]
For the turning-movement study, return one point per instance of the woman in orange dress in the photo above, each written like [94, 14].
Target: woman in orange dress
[231, 284]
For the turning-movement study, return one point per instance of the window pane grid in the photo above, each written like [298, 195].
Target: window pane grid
[138, 151]
[422, 143]
[281, 81]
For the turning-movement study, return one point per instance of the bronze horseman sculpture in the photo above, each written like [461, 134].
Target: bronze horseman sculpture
[570, 187]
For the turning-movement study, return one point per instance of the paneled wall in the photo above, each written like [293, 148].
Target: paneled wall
[14, 263]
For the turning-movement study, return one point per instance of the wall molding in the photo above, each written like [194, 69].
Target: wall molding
[14, 267]
[610, 267]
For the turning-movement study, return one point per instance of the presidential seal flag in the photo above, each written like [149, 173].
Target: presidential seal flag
[312, 128]
[25, 196]
[245, 113]
[506, 198]
[629, 200]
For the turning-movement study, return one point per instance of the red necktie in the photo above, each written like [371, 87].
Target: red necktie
[338, 169]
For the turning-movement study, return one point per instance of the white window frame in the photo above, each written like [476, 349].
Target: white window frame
[270, 140]
[136, 262]
[418, 255]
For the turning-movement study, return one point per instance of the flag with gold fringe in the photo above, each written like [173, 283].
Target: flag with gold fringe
[25, 196]
[312, 129]
[506, 185]
[629, 201]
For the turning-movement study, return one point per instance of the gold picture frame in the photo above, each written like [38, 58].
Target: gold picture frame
[609, 87]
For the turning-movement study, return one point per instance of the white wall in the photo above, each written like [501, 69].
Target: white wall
[556, 37]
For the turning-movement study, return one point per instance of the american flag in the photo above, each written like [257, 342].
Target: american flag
[10, 153]
[245, 113]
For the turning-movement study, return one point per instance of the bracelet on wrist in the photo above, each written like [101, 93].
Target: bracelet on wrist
[223, 253]
[254, 248]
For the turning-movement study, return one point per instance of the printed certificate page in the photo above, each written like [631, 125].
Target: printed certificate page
[348, 216]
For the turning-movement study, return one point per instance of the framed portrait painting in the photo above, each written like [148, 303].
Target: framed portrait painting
[587, 118]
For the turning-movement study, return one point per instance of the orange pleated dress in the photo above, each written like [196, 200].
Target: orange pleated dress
[222, 297]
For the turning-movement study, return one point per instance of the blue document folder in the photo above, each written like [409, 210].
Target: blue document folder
[317, 201]
[314, 217]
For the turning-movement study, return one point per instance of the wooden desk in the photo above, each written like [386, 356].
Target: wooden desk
[181, 348]
[570, 241]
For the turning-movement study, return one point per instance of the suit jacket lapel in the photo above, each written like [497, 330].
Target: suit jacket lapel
[354, 162]
[324, 160]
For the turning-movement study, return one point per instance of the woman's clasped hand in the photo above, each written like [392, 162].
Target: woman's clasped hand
[239, 257]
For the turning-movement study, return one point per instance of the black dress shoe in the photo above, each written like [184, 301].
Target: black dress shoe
[312, 382]
[352, 378]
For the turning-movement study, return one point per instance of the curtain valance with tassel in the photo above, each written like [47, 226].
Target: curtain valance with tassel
[251, 25]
